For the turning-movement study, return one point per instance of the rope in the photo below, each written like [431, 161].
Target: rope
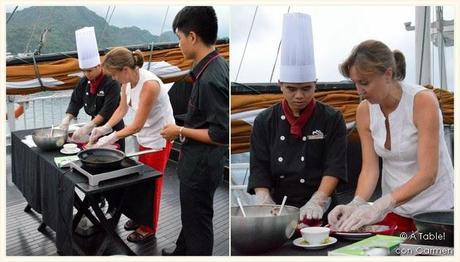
[107, 13]
[33, 31]
[246, 45]
[440, 18]
[105, 26]
[37, 74]
[423, 46]
[11, 16]
[277, 52]
[161, 32]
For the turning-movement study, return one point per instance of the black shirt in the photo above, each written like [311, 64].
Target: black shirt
[201, 165]
[103, 103]
[295, 167]
[208, 104]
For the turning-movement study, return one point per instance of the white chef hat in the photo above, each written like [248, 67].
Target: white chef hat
[88, 53]
[297, 55]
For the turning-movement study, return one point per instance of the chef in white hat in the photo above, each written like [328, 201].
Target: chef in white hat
[298, 146]
[96, 92]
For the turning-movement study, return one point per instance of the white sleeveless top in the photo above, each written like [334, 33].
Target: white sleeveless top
[160, 115]
[400, 164]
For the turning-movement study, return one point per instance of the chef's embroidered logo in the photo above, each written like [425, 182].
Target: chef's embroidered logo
[101, 93]
[317, 134]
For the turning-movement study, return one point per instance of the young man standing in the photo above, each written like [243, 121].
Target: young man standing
[205, 131]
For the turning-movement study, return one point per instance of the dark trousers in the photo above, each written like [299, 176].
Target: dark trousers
[196, 237]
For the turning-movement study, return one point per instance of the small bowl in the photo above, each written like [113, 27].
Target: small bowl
[70, 147]
[315, 235]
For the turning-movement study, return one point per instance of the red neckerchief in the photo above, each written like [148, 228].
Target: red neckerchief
[298, 123]
[93, 85]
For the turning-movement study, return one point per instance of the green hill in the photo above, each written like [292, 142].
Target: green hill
[25, 28]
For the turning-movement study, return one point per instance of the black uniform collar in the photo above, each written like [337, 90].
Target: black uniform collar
[199, 67]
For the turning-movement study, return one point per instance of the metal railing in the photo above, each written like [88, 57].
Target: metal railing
[41, 110]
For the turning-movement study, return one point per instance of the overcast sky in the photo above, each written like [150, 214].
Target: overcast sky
[336, 30]
[148, 17]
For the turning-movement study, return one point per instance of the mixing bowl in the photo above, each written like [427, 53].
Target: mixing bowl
[48, 141]
[262, 229]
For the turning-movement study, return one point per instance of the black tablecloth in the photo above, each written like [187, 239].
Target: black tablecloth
[49, 190]
[289, 249]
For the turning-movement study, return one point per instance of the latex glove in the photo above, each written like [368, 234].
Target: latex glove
[341, 212]
[98, 132]
[106, 140]
[315, 207]
[64, 125]
[264, 198]
[81, 135]
[369, 214]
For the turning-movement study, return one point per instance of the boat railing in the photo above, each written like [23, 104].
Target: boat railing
[39, 110]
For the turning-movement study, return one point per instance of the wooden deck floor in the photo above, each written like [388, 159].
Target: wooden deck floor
[23, 238]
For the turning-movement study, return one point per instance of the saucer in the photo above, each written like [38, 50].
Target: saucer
[65, 152]
[300, 242]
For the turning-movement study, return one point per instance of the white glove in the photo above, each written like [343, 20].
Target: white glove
[98, 132]
[107, 140]
[263, 198]
[369, 214]
[64, 125]
[315, 207]
[341, 212]
[81, 135]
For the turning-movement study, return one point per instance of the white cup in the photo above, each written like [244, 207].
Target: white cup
[70, 147]
[315, 235]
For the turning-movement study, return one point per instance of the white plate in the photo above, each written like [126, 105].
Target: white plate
[65, 152]
[300, 242]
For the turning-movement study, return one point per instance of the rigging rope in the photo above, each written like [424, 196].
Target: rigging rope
[159, 38]
[12, 13]
[441, 61]
[33, 31]
[246, 45]
[423, 46]
[105, 26]
[44, 35]
[441, 55]
[107, 13]
[277, 53]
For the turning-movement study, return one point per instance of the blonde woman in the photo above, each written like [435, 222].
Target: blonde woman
[150, 100]
[402, 124]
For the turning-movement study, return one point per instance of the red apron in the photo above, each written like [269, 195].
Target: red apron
[157, 161]
[404, 224]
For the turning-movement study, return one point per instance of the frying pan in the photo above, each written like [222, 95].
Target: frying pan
[436, 222]
[106, 158]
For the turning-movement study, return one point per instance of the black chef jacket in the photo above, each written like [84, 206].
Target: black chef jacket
[207, 109]
[103, 103]
[294, 167]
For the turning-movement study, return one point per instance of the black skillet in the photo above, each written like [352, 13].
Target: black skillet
[105, 158]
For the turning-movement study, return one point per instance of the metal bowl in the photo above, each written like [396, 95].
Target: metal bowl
[45, 141]
[261, 230]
